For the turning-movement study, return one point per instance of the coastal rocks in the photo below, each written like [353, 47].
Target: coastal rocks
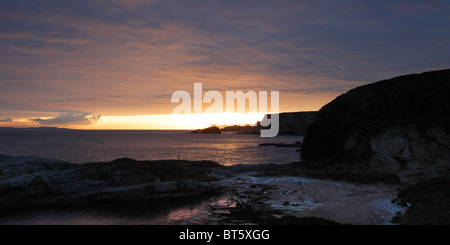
[298, 200]
[210, 130]
[297, 144]
[47, 183]
[250, 129]
[295, 123]
[146, 191]
[413, 151]
[13, 166]
[428, 202]
[339, 172]
[400, 124]
[246, 129]
[290, 123]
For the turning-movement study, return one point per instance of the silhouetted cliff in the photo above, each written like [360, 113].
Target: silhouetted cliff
[296, 122]
[290, 123]
[400, 123]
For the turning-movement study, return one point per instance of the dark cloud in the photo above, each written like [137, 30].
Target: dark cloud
[6, 120]
[71, 118]
[55, 53]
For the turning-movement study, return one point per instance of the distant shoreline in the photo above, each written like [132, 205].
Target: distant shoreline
[70, 129]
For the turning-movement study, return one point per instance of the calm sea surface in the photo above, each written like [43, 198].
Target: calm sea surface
[79, 146]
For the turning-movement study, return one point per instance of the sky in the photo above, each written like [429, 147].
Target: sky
[101, 64]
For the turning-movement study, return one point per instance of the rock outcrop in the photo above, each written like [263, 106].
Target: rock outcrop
[401, 124]
[295, 123]
[297, 144]
[210, 130]
[26, 181]
[428, 202]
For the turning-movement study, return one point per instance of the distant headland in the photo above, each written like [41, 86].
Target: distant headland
[291, 123]
[35, 128]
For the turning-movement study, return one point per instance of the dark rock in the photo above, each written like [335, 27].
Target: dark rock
[290, 123]
[251, 129]
[243, 168]
[295, 123]
[296, 144]
[210, 130]
[54, 183]
[399, 124]
[237, 128]
[428, 201]
[335, 172]
[363, 176]
[292, 220]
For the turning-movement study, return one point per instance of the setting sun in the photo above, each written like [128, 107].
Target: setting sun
[265, 113]
[176, 121]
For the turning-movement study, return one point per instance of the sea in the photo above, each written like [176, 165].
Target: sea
[82, 146]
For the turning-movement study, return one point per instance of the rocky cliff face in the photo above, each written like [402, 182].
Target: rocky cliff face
[417, 151]
[296, 122]
[402, 124]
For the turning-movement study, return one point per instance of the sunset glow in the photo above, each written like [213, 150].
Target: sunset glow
[181, 121]
[171, 121]
[104, 64]
[221, 113]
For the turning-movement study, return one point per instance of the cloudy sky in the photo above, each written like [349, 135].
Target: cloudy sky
[81, 63]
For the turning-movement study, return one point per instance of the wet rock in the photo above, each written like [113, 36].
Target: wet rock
[428, 202]
[292, 220]
[41, 183]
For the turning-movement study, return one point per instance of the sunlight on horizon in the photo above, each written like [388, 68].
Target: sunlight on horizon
[176, 121]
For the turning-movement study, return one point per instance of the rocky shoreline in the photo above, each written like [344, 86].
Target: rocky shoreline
[28, 181]
[250, 194]
[378, 154]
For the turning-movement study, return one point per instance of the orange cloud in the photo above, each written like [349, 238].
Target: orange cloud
[118, 58]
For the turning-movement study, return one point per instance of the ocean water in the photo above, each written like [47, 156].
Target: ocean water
[185, 211]
[80, 146]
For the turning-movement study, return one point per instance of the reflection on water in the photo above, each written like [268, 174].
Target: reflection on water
[198, 210]
[107, 145]
[97, 145]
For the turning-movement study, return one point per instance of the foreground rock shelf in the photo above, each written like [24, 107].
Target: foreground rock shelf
[26, 181]
[296, 193]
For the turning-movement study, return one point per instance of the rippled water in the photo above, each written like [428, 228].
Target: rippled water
[174, 212]
[88, 146]
[79, 146]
